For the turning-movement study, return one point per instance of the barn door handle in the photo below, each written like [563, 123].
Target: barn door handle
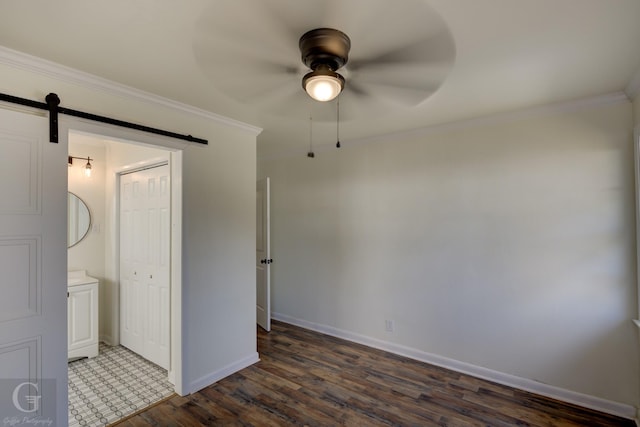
[266, 261]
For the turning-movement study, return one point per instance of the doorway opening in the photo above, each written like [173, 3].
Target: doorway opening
[98, 255]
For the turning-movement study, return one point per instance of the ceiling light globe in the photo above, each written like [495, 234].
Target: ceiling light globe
[323, 84]
[323, 88]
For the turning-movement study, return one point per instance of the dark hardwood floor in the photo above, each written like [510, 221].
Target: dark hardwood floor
[306, 378]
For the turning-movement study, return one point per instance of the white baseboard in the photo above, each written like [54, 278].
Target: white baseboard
[216, 376]
[595, 403]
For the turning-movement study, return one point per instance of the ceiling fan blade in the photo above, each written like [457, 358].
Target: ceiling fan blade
[242, 84]
[256, 26]
[237, 53]
[434, 49]
[274, 95]
[355, 101]
[249, 66]
[398, 95]
[277, 19]
[402, 85]
[418, 76]
[356, 89]
[379, 24]
[409, 74]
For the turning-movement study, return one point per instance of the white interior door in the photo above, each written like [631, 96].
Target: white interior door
[263, 255]
[33, 258]
[145, 242]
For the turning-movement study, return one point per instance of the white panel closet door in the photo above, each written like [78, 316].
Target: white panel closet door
[145, 230]
[33, 212]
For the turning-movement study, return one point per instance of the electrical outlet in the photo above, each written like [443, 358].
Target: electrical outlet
[388, 325]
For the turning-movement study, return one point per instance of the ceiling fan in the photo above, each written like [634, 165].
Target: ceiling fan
[325, 51]
[380, 57]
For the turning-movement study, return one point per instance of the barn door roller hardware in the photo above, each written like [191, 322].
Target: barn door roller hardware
[52, 105]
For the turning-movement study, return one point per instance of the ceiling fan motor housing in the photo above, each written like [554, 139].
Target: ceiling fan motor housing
[325, 47]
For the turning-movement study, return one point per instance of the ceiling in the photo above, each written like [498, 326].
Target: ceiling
[505, 55]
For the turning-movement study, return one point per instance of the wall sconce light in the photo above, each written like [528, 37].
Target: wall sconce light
[87, 167]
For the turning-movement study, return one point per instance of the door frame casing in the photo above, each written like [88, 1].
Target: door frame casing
[636, 161]
[265, 184]
[175, 148]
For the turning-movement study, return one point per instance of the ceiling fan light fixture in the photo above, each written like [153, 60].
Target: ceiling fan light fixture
[323, 84]
[324, 50]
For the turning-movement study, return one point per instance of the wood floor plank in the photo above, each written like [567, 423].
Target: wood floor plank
[206, 414]
[306, 378]
[503, 405]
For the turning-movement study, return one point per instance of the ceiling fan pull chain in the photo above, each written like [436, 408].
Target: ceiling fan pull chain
[310, 153]
[338, 124]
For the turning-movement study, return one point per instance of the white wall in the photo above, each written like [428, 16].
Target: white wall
[89, 253]
[219, 221]
[218, 282]
[508, 246]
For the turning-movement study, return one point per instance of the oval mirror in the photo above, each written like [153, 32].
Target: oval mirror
[79, 220]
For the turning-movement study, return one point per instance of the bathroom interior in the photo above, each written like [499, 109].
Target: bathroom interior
[114, 371]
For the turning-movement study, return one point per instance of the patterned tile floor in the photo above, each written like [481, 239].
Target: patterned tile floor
[113, 385]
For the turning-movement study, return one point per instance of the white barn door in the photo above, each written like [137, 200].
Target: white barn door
[145, 242]
[33, 264]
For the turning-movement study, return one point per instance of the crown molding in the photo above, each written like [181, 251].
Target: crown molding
[34, 64]
[477, 122]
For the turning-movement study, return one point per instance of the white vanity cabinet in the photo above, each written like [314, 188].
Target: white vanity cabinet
[82, 315]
